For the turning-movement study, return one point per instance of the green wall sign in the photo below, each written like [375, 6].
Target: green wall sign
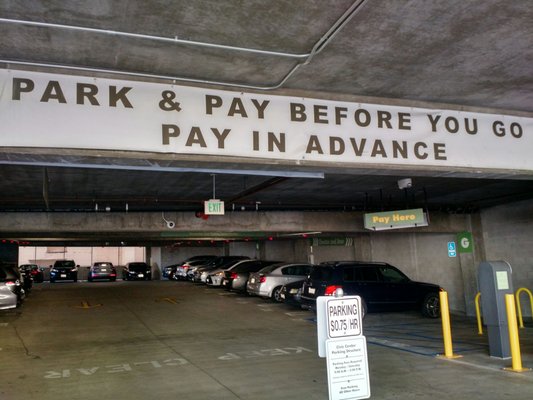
[465, 242]
[396, 219]
[333, 241]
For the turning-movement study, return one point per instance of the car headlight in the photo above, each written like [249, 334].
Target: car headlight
[54, 270]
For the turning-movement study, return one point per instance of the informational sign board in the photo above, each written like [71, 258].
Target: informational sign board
[84, 112]
[337, 317]
[341, 341]
[347, 364]
[344, 317]
[213, 207]
[452, 250]
[465, 242]
[396, 219]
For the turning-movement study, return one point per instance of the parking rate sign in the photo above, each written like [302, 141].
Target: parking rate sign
[336, 318]
[344, 317]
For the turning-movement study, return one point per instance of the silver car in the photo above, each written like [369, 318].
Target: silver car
[269, 281]
[11, 290]
[215, 277]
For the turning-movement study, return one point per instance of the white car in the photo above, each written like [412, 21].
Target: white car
[269, 281]
[214, 277]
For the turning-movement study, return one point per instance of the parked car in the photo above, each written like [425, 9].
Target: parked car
[183, 268]
[11, 290]
[215, 276]
[64, 270]
[235, 278]
[381, 286]
[268, 281]
[170, 270]
[137, 271]
[26, 279]
[201, 272]
[34, 270]
[102, 270]
[291, 293]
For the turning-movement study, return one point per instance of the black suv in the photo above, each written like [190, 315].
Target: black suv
[381, 286]
[64, 270]
[137, 271]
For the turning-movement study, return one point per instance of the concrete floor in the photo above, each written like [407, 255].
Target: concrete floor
[174, 340]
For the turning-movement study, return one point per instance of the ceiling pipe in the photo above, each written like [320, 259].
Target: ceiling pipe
[173, 40]
[304, 58]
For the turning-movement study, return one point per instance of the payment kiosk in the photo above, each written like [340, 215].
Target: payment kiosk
[495, 281]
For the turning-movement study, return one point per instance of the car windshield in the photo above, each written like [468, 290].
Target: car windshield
[321, 273]
[103, 264]
[65, 264]
[270, 268]
[138, 267]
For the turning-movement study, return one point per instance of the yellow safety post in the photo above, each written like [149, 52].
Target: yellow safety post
[446, 328]
[513, 335]
[517, 295]
[478, 314]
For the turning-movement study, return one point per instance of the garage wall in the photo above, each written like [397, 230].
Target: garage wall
[280, 250]
[333, 253]
[508, 236]
[84, 256]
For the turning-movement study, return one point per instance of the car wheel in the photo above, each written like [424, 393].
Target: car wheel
[431, 306]
[276, 295]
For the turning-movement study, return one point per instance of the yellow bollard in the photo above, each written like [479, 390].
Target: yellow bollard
[446, 328]
[513, 335]
[478, 314]
[518, 306]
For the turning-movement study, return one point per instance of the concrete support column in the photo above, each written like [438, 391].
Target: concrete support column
[470, 262]
[363, 246]
[153, 258]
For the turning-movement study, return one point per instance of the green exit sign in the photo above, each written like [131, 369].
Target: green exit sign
[213, 207]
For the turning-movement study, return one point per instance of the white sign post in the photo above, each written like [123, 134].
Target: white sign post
[341, 341]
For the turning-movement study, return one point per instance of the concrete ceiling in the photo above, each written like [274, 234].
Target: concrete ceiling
[474, 54]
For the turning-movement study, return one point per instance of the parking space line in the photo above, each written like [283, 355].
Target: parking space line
[297, 313]
[3, 323]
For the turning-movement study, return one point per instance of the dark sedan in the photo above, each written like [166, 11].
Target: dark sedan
[34, 270]
[64, 270]
[137, 271]
[291, 294]
[102, 271]
[381, 286]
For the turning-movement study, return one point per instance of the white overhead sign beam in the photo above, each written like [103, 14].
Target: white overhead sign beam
[62, 111]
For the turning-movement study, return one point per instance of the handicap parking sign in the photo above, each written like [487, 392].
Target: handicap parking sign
[452, 251]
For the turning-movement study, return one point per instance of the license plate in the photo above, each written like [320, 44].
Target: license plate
[63, 275]
[312, 290]
[103, 270]
[252, 280]
[141, 275]
[294, 291]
